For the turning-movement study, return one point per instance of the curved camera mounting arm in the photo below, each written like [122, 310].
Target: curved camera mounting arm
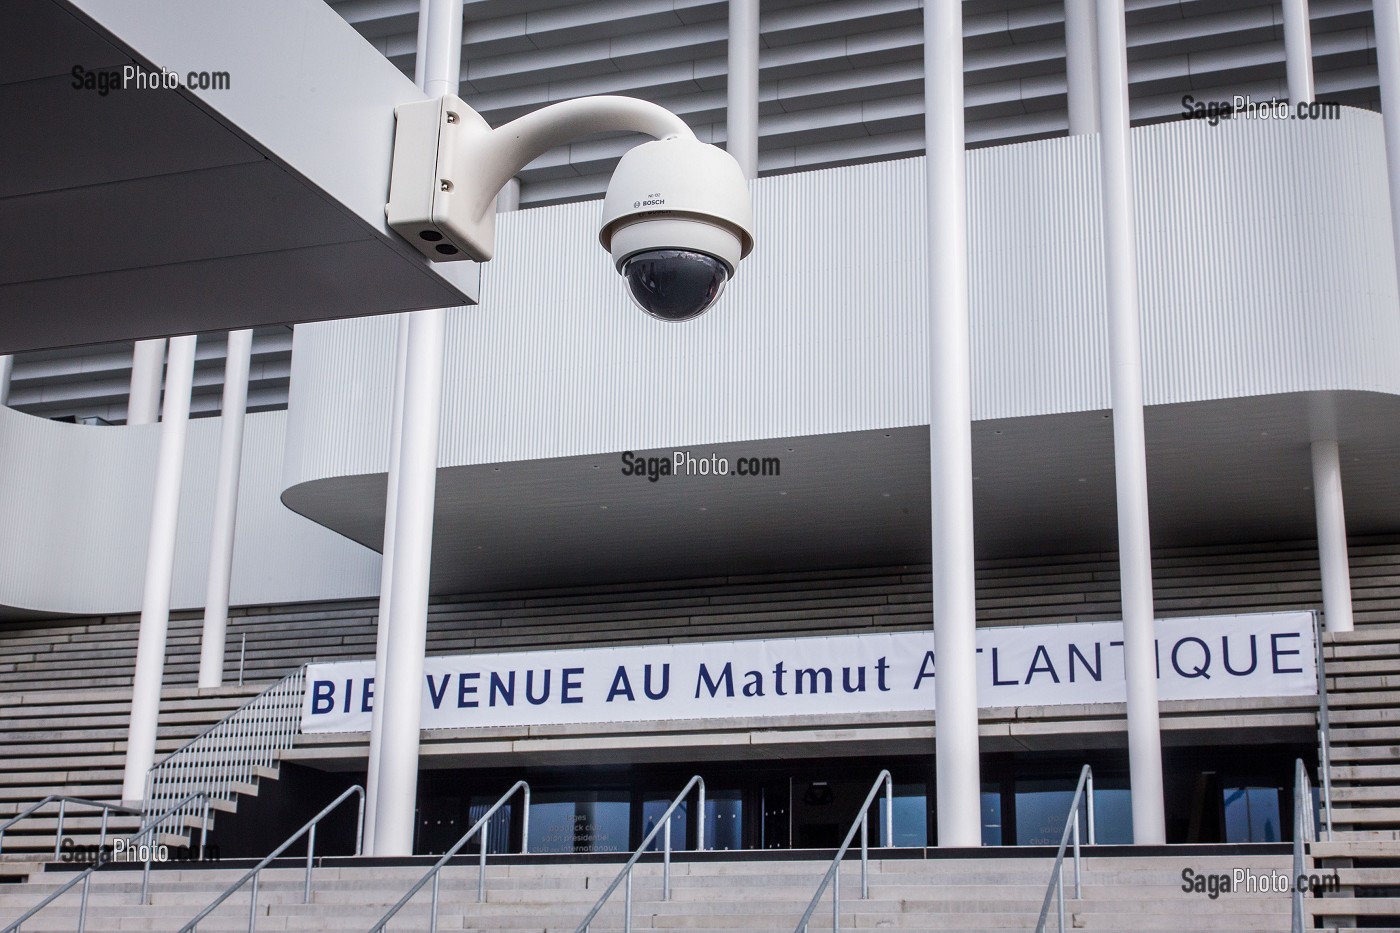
[449, 164]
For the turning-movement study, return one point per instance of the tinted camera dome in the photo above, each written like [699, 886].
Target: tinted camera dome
[674, 284]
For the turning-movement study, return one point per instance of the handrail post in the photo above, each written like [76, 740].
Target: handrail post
[627, 908]
[889, 814]
[82, 909]
[146, 871]
[666, 862]
[310, 855]
[253, 902]
[1078, 870]
[481, 864]
[360, 827]
[1060, 894]
[58, 830]
[864, 859]
[700, 822]
[1089, 790]
[432, 917]
[836, 898]
[204, 830]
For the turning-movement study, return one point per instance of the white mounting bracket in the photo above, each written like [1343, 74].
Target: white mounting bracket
[449, 164]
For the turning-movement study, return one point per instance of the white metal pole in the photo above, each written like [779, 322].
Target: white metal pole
[143, 401]
[741, 123]
[1081, 67]
[950, 434]
[1129, 436]
[216, 594]
[1387, 16]
[7, 370]
[402, 691]
[1297, 51]
[509, 198]
[386, 582]
[1331, 536]
[160, 565]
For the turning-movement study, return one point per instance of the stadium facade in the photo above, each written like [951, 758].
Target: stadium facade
[742, 505]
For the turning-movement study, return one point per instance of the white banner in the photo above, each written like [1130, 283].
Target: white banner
[1210, 657]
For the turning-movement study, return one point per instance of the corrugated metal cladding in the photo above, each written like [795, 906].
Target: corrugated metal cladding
[841, 81]
[77, 502]
[1263, 270]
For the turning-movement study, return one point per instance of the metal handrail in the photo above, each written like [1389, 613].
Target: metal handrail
[1304, 831]
[232, 750]
[1324, 728]
[1055, 890]
[435, 873]
[662, 826]
[252, 873]
[85, 876]
[63, 802]
[833, 874]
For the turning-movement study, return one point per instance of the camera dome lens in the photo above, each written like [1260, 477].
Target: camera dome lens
[674, 284]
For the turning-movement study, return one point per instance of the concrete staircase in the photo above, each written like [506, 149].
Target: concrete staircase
[709, 895]
[75, 744]
[1363, 685]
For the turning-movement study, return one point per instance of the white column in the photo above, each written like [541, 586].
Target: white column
[415, 492]
[1387, 15]
[950, 434]
[741, 122]
[1081, 67]
[386, 582]
[1129, 438]
[160, 565]
[235, 406]
[509, 198]
[1331, 536]
[402, 691]
[147, 361]
[1297, 51]
[7, 369]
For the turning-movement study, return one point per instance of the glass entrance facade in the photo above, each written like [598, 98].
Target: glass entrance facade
[810, 804]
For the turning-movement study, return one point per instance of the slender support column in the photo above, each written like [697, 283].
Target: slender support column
[1081, 67]
[160, 564]
[386, 581]
[509, 198]
[7, 369]
[741, 124]
[415, 491]
[216, 593]
[950, 434]
[1331, 536]
[1129, 435]
[147, 360]
[1387, 15]
[402, 694]
[1297, 51]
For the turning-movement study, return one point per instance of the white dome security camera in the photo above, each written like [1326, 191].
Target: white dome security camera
[677, 217]
[677, 220]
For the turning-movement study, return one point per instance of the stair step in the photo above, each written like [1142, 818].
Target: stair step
[1352, 906]
[1344, 774]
